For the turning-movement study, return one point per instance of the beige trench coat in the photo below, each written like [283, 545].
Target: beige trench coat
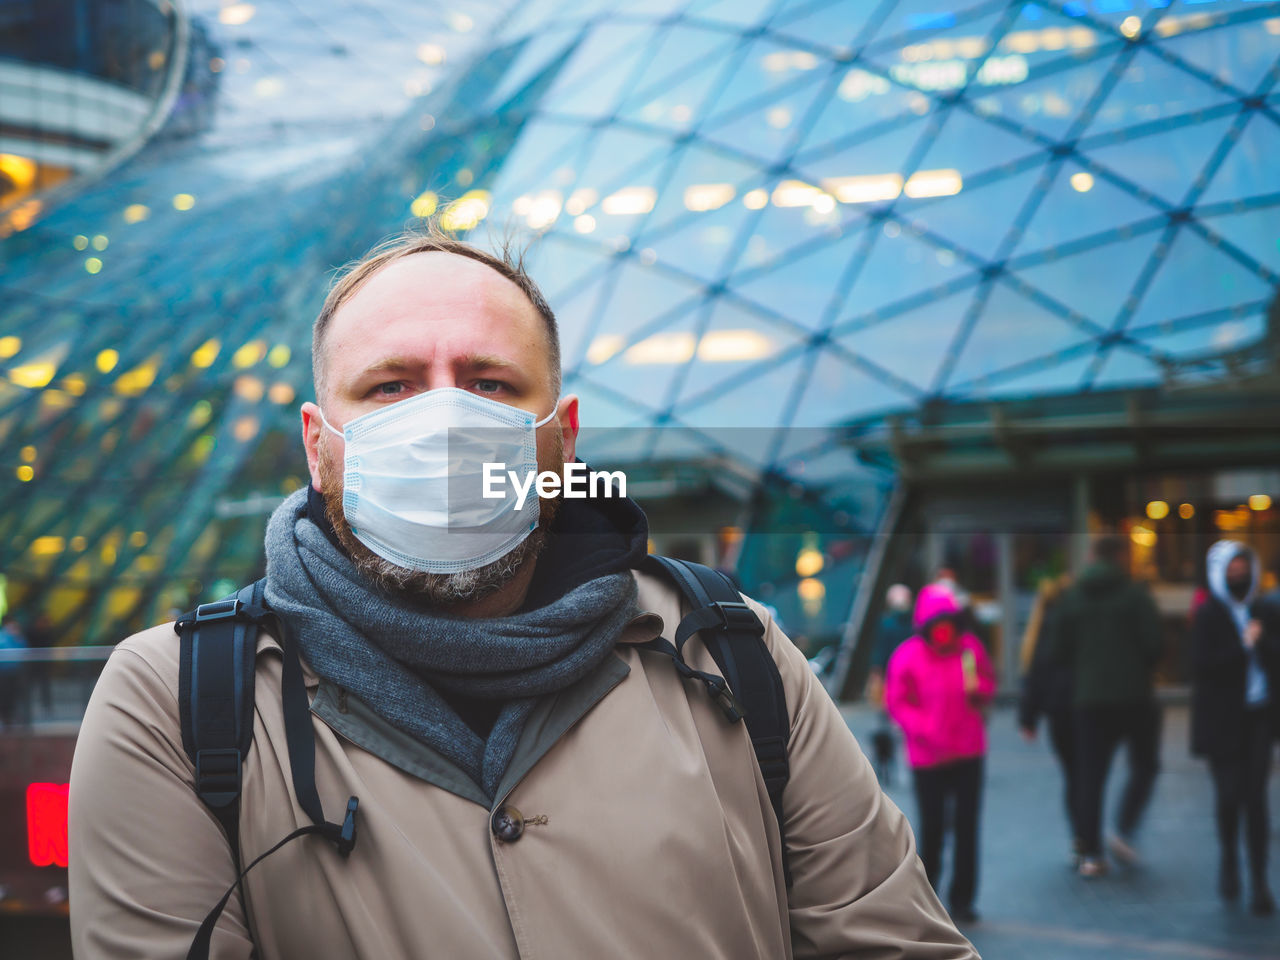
[649, 831]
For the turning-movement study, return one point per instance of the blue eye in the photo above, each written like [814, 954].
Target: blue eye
[488, 386]
[389, 389]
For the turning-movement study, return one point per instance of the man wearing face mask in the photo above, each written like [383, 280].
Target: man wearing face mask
[1235, 659]
[531, 781]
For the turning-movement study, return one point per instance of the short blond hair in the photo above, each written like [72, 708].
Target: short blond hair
[430, 238]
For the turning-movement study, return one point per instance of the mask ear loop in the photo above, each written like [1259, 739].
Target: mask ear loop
[331, 428]
[545, 420]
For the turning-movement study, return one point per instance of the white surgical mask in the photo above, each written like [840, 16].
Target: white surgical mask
[413, 482]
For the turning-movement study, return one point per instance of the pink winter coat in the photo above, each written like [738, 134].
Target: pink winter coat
[924, 690]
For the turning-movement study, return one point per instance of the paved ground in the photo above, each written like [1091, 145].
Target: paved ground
[1034, 908]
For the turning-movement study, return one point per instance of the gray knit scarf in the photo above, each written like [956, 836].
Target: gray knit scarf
[395, 657]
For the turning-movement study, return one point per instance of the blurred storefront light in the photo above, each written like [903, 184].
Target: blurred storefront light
[33, 376]
[629, 201]
[9, 346]
[206, 353]
[1082, 182]
[809, 562]
[432, 54]
[47, 546]
[93, 265]
[136, 212]
[135, 382]
[467, 211]
[1260, 502]
[1186, 511]
[1157, 509]
[544, 209]
[183, 201]
[281, 393]
[424, 204]
[25, 473]
[1143, 536]
[106, 360]
[279, 356]
[249, 354]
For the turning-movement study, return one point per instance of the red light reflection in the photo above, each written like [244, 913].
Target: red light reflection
[47, 823]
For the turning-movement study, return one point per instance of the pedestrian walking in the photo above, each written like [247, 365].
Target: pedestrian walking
[1107, 635]
[937, 685]
[1235, 658]
[894, 628]
[1047, 692]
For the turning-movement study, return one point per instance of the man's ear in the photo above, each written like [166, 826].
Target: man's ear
[312, 428]
[567, 417]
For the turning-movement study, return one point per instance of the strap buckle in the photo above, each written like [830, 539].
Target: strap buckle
[347, 836]
[227, 609]
[736, 615]
[724, 697]
[218, 776]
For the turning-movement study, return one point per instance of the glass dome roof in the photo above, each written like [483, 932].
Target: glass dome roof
[757, 221]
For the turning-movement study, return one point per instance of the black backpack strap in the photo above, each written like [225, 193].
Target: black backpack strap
[734, 636]
[215, 699]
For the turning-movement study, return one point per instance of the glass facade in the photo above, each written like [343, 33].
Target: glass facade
[762, 225]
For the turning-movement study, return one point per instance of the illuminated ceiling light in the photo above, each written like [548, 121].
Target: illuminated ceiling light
[432, 54]
[857, 85]
[775, 62]
[268, 87]
[80, 241]
[603, 347]
[701, 197]
[662, 348]
[206, 353]
[245, 429]
[796, 193]
[1157, 509]
[33, 376]
[106, 360]
[136, 212]
[236, 14]
[25, 473]
[755, 199]
[92, 265]
[809, 562]
[100, 242]
[19, 171]
[217, 64]
[520, 205]
[869, 189]
[1186, 511]
[1082, 182]
[580, 200]
[138, 539]
[156, 59]
[279, 356]
[585, 223]
[135, 382]
[1131, 26]
[1053, 38]
[1260, 501]
[427, 122]
[424, 204]
[1272, 26]
[78, 543]
[248, 388]
[734, 346]
[464, 177]
[1143, 536]
[778, 117]
[249, 354]
[28, 454]
[183, 201]
[47, 546]
[467, 211]
[933, 183]
[629, 200]
[811, 591]
[74, 384]
[461, 22]
[281, 393]
[544, 208]
[682, 113]
[200, 413]
[9, 346]
[824, 203]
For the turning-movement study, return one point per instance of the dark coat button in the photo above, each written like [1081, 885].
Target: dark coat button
[507, 823]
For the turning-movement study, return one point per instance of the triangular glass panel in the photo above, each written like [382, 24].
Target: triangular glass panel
[765, 71]
[1249, 168]
[837, 392]
[864, 101]
[964, 220]
[1097, 282]
[641, 301]
[832, 23]
[898, 267]
[601, 411]
[912, 345]
[799, 284]
[601, 71]
[769, 131]
[742, 413]
[734, 344]
[642, 362]
[1214, 337]
[1167, 164]
[1048, 102]
[1011, 330]
[1257, 233]
[538, 51]
[880, 155]
[1078, 204]
[671, 91]
[1194, 277]
[1065, 376]
[1126, 368]
[703, 245]
[923, 48]
[1150, 90]
[1229, 55]
[732, 11]
[969, 144]
[544, 147]
[1041, 36]
[702, 182]
[564, 267]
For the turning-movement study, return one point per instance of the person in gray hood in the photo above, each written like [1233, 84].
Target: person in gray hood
[1235, 708]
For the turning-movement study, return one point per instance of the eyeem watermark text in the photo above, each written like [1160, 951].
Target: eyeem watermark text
[577, 484]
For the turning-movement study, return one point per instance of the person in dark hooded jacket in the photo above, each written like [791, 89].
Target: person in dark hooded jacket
[1235, 655]
[1107, 633]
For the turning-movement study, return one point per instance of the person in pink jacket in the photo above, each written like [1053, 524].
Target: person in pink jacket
[936, 685]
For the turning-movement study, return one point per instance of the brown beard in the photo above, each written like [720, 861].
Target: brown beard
[438, 589]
